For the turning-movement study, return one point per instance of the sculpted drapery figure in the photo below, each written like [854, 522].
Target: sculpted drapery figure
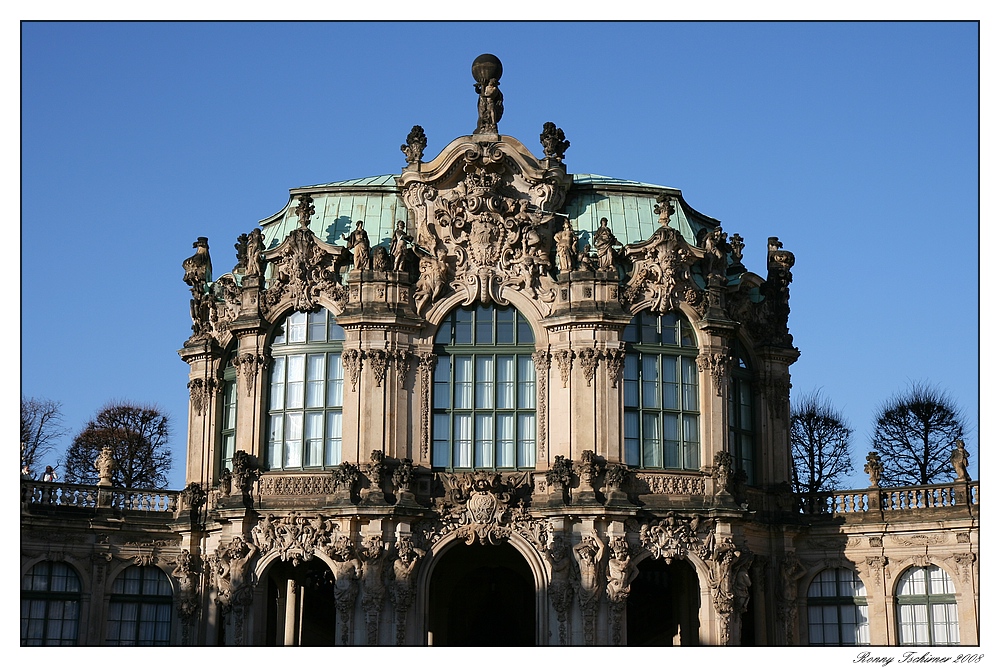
[566, 247]
[960, 460]
[605, 243]
[433, 278]
[399, 247]
[357, 242]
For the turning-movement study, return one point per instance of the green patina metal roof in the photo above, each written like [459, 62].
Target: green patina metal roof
[628, 206]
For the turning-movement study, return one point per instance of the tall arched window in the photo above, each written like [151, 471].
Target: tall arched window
[741, 418]
[50, 605]
[660, 388]
[484, 390]
[227, 434]
[838, 609]
[306, 398]
[926, 610]
[140, 607]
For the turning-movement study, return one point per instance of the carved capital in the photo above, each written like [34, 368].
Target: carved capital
[564, 361]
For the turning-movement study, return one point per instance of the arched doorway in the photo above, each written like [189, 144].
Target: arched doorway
[482, 595]
[662, 608]
[300, 605]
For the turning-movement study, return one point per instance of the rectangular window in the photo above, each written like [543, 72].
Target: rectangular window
[484, 383]
[334, 438]
[463, 383]
[526, 430]
[293, 440]
[506, 457]
[315, 380]
[505, 382]
[484, 441]
[296, 381]
[314, 438]
[335, 382]
[525, 383]
[462, 439]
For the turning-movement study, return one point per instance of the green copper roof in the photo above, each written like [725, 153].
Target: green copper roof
[628, 206]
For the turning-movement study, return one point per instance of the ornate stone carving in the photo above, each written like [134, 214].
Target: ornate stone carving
[374, 470]
[558, 477]
[554, 142]
[294, 537]
[675, 536]
[374, 555]
[542, 361]
[589, 555]
[730, 584]
[248, 365]
[302, 268]
[589, 358]
[564, 360]
[255, 261]
[228, 303]
[402, 359]
[875, 542]
[921, 539]
[402, 477]
[586, 469]
[246, 471]
[433, 279]
[352, 363]
[964, 562]
[105, 465]
[379, 362]
[605, 243]
[425, 366]
[399, 247]
[487, 70]
[416, 142]
[621, 574]
[382, 263]
[230, 567]
[556, 554]
[403, 585]
[790, 571]
[345, 477]
[723, 472]
[876, 568]
[481, 507]
[661, 272]
[185, 571]
[615, 359]
[776, 389]
[346, 575]
[193, 497]
[718, 365]
[873, 468]
[201, 390]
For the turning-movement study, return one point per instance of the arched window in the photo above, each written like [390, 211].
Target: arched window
[306, 398]
[484, 390]
[838, 609]
[741, 421]
[227, 435]
[925, 607]
[50, 605]
[660, 388]
[140, 608]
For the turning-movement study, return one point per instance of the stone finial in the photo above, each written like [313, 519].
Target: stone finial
[487, 70]
[416, 142]
[553, 142]
[305, 210]
[874, 468]
[105, 465]
[664, 208]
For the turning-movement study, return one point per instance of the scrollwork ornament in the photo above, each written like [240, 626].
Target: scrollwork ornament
[425, 367]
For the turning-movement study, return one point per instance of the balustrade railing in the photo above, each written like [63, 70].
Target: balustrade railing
[62, 494]
[927, 496]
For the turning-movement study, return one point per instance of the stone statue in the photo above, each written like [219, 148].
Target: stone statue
[357, 242]
[560, 584]
[566, 248]
[620, 570]
[105, 465]
[198, 267]
[588, 554]
[960, 459]
[587, 259]
[373, 554]
[346, 574]
[399, 247]
[605, 243]
[487, 70]
[433, 278]
[403, 568]
[380, 259]
[255, 253]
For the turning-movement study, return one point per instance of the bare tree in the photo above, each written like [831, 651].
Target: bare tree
[915, 433]
[820, 445]
[41, 427]
[137, 435]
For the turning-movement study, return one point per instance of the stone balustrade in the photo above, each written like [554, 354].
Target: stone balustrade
[62, 494]
[927, 496]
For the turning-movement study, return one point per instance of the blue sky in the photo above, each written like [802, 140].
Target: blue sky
[855, 143]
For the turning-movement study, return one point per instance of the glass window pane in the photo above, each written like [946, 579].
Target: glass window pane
[630, 381]
[315, 380]
[669, 364]
[651, 447]
[336, 332]
[505, 382]
[484, 441]
[524, 334]
[334, 438]
[296, 328]
[314, 438]
[650, 382]
[440, 446]
[671, 442]
[463, 383]
[293, 440]
[462, 438]
[317, 326]
[632, 438]
[484, 325]
[689, 378]
[526, 382]
[484, 382]
[335, 381]
[505, 326]
[463, 327]
[274, 441]
[277, 383]
[442, 383]
[296, 380]
[526, 431]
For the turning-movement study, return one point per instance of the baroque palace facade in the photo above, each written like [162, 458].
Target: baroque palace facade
[488, 401]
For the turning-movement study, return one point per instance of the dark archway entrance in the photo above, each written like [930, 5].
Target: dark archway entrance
[662, 608]
[482, 595]
[302, 614]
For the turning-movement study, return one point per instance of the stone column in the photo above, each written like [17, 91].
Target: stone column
[292, 617]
